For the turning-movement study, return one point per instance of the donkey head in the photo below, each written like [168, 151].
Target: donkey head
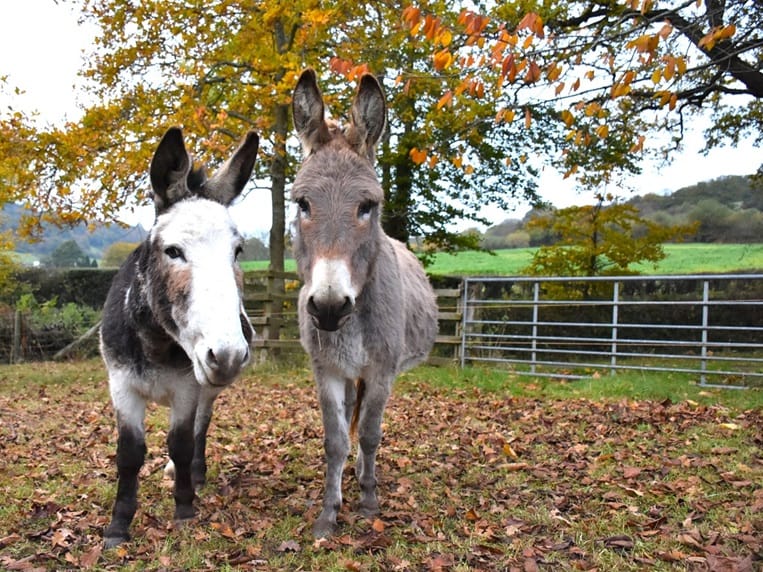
[190, 273]
[338, 228]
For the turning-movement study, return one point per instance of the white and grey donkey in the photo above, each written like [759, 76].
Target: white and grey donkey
[366, 311]
[174, 328]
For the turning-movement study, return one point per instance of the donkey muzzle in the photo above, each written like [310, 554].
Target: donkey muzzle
[222, 365]
[329, 315]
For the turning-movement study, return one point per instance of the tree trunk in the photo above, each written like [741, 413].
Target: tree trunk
[398, 198]
[278, 225]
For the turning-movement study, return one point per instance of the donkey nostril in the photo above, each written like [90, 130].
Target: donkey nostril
[211, 358]
[311, 307]
[346, 307]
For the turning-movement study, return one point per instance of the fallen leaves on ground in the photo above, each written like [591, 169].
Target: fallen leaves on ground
[468, 480]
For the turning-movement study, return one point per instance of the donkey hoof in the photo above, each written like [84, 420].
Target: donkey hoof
[112, 541]
[368, 510]
[198, 482]
[324, 528]
[183, 514]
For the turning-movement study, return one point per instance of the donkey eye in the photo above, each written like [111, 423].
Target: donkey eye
[364, 210]
[239, 251]
[174, 252]
[304, 207]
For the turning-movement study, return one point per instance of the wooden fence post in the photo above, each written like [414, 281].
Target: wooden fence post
[16, 354]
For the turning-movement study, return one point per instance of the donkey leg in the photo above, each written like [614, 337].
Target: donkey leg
[180, 445]
[200, 428]
[131, 452]
[369, 436]
[336, 443]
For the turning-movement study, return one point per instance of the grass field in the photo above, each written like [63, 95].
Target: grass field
[478, 470]
[693, 258]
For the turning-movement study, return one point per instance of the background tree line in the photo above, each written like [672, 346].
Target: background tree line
[724, 210]
[480, 99]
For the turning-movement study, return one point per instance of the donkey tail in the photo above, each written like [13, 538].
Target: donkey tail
[360, 388]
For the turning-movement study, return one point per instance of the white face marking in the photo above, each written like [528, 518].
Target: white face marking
[204, 233]
[332, 280]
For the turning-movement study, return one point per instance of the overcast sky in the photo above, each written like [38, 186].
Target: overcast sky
[41, 49]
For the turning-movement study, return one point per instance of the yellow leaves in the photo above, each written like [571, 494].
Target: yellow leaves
[528, 118]
[681, 65]
[729, 426]
[421, 156]
[666, 98]
[656, 76]
[646, 43]
[622, 87]
[553, 72]
[592, 109]
[442, 59]
[446, 99]
[317, 17]
[602, 131]
[567, 117]
[506, 115]
[458, 163]
[715, 35]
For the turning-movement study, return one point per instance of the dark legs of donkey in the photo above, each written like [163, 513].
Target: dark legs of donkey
[180, 443]
[131, 452]
[200, 428]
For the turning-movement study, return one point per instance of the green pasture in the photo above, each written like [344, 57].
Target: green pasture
[695, 258]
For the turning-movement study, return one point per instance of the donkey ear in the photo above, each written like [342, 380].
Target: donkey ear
[169, 170]
[369, 116]
[231, 178]
[308, 111]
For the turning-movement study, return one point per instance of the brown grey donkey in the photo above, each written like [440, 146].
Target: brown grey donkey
[366, 311]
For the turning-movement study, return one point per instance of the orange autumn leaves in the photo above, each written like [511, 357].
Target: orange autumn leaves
[489, 56]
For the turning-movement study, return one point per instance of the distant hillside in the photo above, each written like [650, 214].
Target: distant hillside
[93, 244]
[734, 192]
[727, 210]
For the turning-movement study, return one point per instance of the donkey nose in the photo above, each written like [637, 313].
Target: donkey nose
[329, 315]
[226, 363]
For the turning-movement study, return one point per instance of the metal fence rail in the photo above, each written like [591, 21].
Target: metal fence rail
[709, 325]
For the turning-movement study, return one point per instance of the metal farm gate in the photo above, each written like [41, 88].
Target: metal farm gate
[710, 325]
